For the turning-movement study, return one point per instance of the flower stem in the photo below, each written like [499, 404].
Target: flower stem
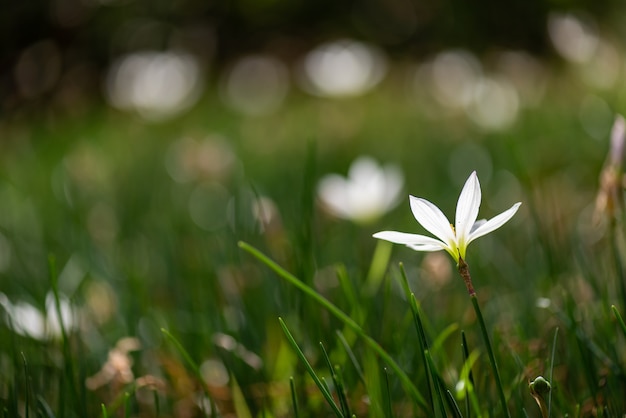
[465, 274]
[538, 390]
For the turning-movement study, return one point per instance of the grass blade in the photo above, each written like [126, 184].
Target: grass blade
[44, 408]
[322, 386]
[433, 371]
[294, 398]
[421, 334]
[453, 405]
[27, 383]
[355, 362]
[343, 402]
[68, 358]
[468, 381]
[389, 410]
[470, 376]
[492, 357]
[127, 405]
[556, 333]
[619, 319]
[376, 273]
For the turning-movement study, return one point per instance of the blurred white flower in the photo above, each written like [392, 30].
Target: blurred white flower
[157, 85]
[604, 68]
[543, 303]
[256, 85]
[573, 37]
[453, 239]
[494, 104]
[29, 321]
[343, 68]
[454, 76]
[368, 192]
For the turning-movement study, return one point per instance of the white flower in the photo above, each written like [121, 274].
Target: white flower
[343, 68]
[367, 193]
[453, 239]
[29, 321]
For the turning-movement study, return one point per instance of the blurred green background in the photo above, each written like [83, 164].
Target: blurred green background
[141, 140]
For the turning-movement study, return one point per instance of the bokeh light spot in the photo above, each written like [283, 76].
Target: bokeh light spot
[343, 68]
[574, 38]
[256, 85]
[454, 77]
[494, 105]
[208, 206]
[157, 85]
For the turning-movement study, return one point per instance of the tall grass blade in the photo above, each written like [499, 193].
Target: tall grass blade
[614, 233]
[470, 375]
[67, 354]
[492, 358]
[406, 381]
[348, 291]
[421, 335]
[468, 382]
[442, 337]
[157, 404]
[127, 405]
[456, 411]
[556, 333]
[334, 373]
[620, 320]
[341, 391]
[433, 371]
[388, 392]
[377, 269]
[43, 408]
[353, 359]
[322, 386]
[28, 388]
[294, 398]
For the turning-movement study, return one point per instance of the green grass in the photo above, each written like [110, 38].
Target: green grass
[365, 329]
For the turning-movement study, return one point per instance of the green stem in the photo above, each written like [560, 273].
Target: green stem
[406, 381]
[492, 358]
[538, 390]
[467, 278]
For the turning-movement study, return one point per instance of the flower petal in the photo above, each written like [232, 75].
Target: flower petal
[426, 247]
[432, 219]
[467, 209]
[478, 224]
[394, 181]
[408, 239]
[494, 223]
[333, 191]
